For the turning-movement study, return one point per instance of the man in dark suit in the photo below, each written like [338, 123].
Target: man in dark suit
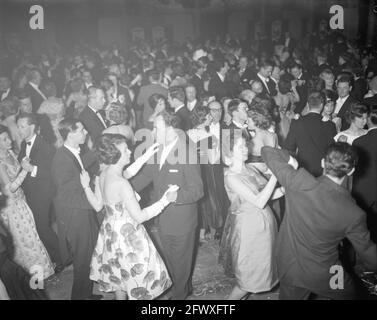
[91, 117]
[371, 97]
[37, 186]
[191, 98]
[246, 73]
[217, 86]
[145, 93]
[197, 79]
[176, 164]
[344, 101]
[263, 75]
[33, 91]
[77, 226]
[6, 90]
[302, 86]
[176, 98]
[309, 136]
[319, 214]
[364, 187]
[238, 111]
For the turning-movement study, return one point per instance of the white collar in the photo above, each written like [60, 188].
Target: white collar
[192, 104]
[222, 78]
[238, 125]
[262, 77]
[37, 89]
[73, 150]
[198, 76]
[94, 110]
[6, 92]
[370, 129]
[31, 140]
[343, 99]
[179, 108]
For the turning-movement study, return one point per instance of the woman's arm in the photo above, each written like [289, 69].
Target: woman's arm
[12, 186]
[259, 200]
[133, 207]
[94, 198]
[134, 168]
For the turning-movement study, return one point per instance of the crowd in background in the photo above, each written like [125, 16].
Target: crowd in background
[249, 108]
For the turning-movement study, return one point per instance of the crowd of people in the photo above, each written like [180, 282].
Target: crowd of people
[279, 166]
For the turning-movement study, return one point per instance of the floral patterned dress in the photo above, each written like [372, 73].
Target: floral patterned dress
[29, 251]
[126, 259]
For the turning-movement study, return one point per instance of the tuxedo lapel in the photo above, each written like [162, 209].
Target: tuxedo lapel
[70, 154]
[35, 147]
[95, 118]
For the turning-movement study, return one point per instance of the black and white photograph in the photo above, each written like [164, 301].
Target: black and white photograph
[207, 151]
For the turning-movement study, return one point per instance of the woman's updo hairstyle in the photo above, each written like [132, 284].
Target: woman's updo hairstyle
[106, 146]
[260, 116]
[356, 110]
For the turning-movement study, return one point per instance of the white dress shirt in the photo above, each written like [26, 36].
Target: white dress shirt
[29, 145]
[76, 153]
[165, 152]
[339, 104]
[222, 78]
[4, 95]
[265, 81]
[37, 89]
[191, 105]
[179, 108]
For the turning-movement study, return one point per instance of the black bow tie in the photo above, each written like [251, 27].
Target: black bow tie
[28, 143]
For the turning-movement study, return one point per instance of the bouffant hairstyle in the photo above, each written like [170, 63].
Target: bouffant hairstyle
[9, 107]
[356, 110]
[285, 84]
[106, 147]
[117, 113]
[261, 117]
[199, 116]
[340, 159]
[170, 118]
[155, 98]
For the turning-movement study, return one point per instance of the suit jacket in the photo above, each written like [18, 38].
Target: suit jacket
[269, 90]
[303, 92]
[181, 217]
[370, 101]
[92, 123]
[318, 215]
[40, 187]
[359, 89]
[185, 120]
[143, 101]
[217, 88]
[365, 177]
[310, 137]
[35, 97]
[198, 84]
[343, 110]
[247, 75]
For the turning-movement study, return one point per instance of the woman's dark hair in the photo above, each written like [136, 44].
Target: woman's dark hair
[356, 110]
[154, 98]
[4, 129]
[107, 151]
[285, 84]
[340, 158]
[261, 117]
[330, 95]
[9, 107]
[49, 88]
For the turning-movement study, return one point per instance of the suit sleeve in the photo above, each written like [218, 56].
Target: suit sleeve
[44, 167]
[143, 178]
[277, 161]
[68, 186]
[290, 142]
[359, 236]
[193, 190]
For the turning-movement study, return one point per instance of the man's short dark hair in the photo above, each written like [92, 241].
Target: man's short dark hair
[315, 100]
[177, 92]
[266, 63]
[340, 159]
[31, 119]
[68, 125]
[233, 105]
[218, 64]
[345, 79]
